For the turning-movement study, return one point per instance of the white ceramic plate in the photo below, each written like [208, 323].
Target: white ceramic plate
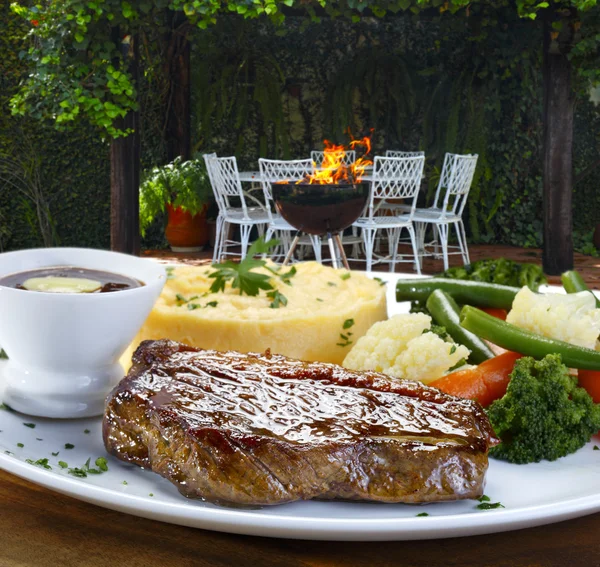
[532, 495]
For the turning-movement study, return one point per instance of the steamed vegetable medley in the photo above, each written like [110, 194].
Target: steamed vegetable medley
[531, 359]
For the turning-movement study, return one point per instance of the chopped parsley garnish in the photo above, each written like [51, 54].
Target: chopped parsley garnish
[86, 469]
[422, 515]
[63, 465]
[39, 463]
[89, 469]
[79, 473]
[30, 425]
[6, 407]
[69, 446]
[55, 454]
[381, 282]
[596, 448]
[285, 278]
[319, 299]
[180, 300]
[151, 494]
[452, 349]
[345, 339]
[20, 445]
[278, 299]
[346, 276]
[124, 482]
[192, 306]
[331, 284]
[484, 498]
[348, 323]
[489, 505]
[86, 431]
[7, 452]
[170, 274]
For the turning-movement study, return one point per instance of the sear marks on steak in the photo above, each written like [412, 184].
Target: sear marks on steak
[250, 429]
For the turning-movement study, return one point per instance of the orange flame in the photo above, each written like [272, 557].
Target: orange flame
[333, 170]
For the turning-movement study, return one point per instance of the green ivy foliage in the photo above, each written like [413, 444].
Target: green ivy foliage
[74, 165]
[81, 68]
[486, 99]
[450, 94]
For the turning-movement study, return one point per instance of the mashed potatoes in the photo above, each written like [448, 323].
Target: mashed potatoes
[327, 311]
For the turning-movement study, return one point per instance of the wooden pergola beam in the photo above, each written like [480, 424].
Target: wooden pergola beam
[125, 171]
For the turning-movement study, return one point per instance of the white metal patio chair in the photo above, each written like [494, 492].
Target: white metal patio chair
[397, 208]
[456, 179]
[399, 153]
[317, 156]
[227, 187]
[393, 178]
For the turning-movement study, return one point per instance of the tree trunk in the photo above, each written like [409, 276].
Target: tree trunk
[125, 172]
[558, 148]
[178, 130]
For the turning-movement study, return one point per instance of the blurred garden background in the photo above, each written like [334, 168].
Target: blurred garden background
[434, 81]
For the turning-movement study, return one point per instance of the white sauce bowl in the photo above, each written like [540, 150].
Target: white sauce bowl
[64, 348]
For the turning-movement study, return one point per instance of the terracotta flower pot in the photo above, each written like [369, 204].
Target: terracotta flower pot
[184, 232]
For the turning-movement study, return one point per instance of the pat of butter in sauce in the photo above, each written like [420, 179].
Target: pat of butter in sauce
[62, 284]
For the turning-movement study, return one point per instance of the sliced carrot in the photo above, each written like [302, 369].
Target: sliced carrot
[495, 312]
[484, 383]
[590, 380]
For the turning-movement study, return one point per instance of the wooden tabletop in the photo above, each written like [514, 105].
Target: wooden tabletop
[39, 527]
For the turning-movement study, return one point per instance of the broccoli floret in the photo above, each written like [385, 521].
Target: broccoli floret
[459, 272]
[417, 306]
[544, 414]
[441, 332]
[500, 271]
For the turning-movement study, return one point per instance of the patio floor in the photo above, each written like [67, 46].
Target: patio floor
[587, 266]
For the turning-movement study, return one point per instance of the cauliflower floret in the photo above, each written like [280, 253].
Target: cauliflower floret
[572, 317]
[402, 347]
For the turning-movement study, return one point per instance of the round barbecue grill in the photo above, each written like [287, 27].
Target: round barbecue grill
[321, 210]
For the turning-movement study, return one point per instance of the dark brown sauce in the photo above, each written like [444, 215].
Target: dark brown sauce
[109, 280]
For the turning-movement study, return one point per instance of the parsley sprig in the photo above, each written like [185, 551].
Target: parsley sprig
[243, 277]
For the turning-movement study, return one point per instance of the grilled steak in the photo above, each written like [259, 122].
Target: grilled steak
[256, 429]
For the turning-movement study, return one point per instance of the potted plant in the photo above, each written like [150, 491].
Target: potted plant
[183, 189]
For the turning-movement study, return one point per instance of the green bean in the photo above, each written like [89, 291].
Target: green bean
[525, 342]
[446, 313]
[462, 291]
[573, 282]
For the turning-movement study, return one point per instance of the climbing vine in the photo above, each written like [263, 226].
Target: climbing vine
[79, 70]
